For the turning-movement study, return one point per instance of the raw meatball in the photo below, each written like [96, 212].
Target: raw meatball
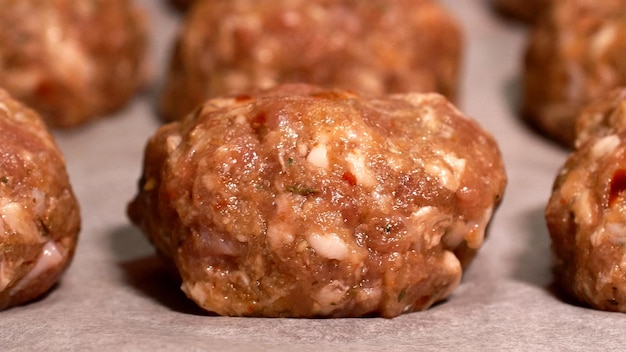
[374, 46]
[39, 215]
[71, 60]
[524, 10]
[575, 54]
[586, 214]
[303, 202]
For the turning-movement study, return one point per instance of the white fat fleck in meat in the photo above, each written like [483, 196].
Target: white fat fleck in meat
[603, 40]
[622, 262]
[302, 149]
[381, 200]
[370, 294]
[427, 223]
[6, 275]
[417, 99]
[597, 236]
[329, 245]
[476, 233]
[50, 258]
[357, 164]
[613, 232]
[394, 158]
[279, 234]
[71, 62]
[453, 266]
[195, 290]
[240, 119]
[330, 296]
[19, 220]
[39, 199]
[604, 146]
[448, 170]
[473, 232]
[4, 108]
[368, 80]
[318, 156]
[584, 214]
[173, 142]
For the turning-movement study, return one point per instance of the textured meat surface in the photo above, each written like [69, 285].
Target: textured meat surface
[586, 214]
[575, 55]
[302, 202]
[71, 60]
[39, 215]
[377, 46]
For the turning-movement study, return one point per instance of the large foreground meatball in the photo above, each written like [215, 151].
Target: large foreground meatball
[575, 55]
[374, 46]
[307, 202]
[586, 214]
[71, 60]
[39, 215]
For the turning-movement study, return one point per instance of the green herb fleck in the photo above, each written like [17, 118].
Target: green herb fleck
[289, 161]
[301, 190]
[401, 295]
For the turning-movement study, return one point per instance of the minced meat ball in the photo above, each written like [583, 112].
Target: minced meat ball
[374, 46]
[575, 55]
[39, 215]
[305, 202]
[586, 214]
[72, 60]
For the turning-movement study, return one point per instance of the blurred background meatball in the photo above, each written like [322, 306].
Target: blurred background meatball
[72, 60]
[376, 47]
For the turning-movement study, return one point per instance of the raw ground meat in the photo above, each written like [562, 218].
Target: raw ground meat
[575, 54]
[72, 60]
[39, 215]
[305, 202]
[374, 46]
[586, 214]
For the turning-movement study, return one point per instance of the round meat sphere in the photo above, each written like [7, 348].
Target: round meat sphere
[575, 54]
[374, 46]
[39, 215]
[71, 60]
[586, 214]
[306, 202]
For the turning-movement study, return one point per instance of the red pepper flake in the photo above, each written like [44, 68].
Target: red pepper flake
[220, 204]
[242, 97]
[258, 123]
[349, 177]
[618, 185]
[259, 119]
